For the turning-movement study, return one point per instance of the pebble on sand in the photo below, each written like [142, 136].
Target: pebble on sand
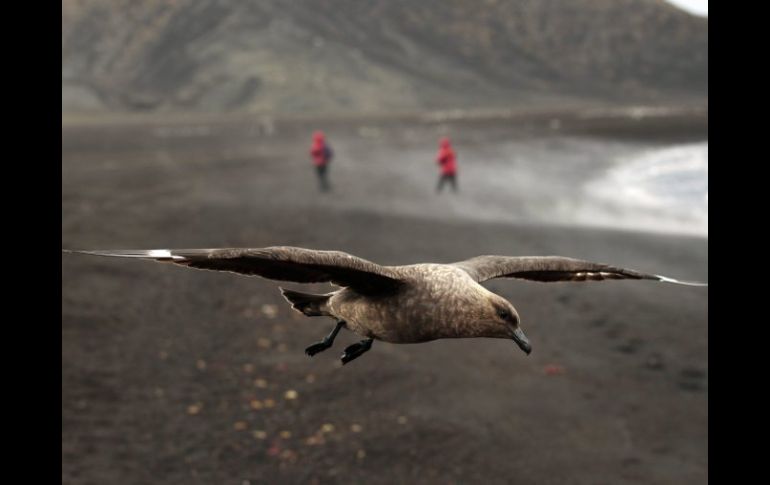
[356, 428]
[289, 455]
[291, 394]
[260, 383]
[194, 409]
[553, 370]
[269, 311]
[240, 425]
[259, 434]
[316, 439]
[264, 343]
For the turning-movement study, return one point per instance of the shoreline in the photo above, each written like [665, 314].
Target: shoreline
[598, 118]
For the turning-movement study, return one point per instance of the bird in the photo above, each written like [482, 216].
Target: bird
[397, 304]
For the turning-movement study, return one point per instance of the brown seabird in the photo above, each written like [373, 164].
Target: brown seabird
[397, 304]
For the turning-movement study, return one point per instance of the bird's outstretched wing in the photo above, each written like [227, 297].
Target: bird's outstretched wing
[552, 268]
[282, 263]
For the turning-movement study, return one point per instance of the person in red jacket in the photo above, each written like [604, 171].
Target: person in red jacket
[321, 155]
[447, 160]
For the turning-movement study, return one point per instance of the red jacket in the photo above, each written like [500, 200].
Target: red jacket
[446, 158]
[319, 152]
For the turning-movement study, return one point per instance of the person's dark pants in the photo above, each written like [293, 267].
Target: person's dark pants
[321, 169]
[444, 178]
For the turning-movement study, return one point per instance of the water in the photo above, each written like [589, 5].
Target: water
[661, 189]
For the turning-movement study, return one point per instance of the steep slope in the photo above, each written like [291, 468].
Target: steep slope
[347, 55]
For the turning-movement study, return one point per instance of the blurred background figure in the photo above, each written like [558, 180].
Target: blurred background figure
[321, 154]
[447, 160]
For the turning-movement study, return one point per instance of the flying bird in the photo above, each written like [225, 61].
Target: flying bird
[397, 304]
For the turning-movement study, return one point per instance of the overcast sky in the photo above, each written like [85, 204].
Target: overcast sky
[698, 7]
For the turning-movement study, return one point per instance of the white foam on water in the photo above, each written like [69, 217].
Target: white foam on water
[662, 190]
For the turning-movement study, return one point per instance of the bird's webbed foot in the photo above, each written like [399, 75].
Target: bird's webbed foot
[326, 342]
[317, 347]
[356, 350]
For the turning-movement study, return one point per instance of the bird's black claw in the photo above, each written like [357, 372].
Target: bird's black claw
[356, 350]
[317, 347]
[347, 357]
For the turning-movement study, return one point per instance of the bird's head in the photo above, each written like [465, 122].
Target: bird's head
[502, 317]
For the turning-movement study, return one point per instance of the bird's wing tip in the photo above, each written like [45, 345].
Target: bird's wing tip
[158, 254]
[666, 279]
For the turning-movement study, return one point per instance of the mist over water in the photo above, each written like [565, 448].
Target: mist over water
[563, 180]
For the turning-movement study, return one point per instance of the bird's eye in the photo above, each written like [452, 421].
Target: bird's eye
[503, 314]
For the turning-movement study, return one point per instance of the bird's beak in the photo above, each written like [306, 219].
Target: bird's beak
[522, 341]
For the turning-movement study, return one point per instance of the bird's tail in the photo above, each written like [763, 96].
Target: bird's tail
[308, 303]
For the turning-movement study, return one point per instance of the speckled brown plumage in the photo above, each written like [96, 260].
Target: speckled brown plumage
[398, 304]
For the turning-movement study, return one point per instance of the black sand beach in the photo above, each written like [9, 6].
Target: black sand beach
[171, 375]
